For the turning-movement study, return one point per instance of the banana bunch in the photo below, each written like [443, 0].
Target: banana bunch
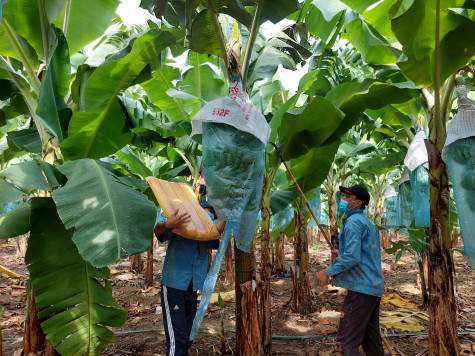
[232, 162]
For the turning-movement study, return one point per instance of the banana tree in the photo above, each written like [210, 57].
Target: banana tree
[448, 45]
[74, 121]
[437, 40]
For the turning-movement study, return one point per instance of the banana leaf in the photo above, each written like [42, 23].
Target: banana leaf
[68, 289]
[112, 220]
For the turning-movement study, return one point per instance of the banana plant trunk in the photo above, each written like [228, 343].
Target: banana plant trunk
[136, 263]
[228, 264]
[421, 263]
[301, 291]
[248, 330]
[443, 333]
[279, 260]
[149, 268]
[266, 267]
[333, 218]
[378, 209]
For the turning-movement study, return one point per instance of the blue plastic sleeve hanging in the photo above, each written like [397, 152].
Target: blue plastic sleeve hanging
[210, 281]
[420, 191]
[461, 163]
[405, 204]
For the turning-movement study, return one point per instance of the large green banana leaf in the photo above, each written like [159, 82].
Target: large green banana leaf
[157, 88]
[267, 63]
[309, 129]
[52, 110]
[20, 179]
[375, 163]
[200, 80]
[304, 84]
[311, 169]
[416, 29]
[16, 222]
[318, 26]
[203, 35]
[134, 163]
[24, 17]
[67, 288]
[374, 48]
[277, 10]
[97, 132]
[353, 98]
[26, 139]
[111, 220]
[86, 21]
[280, 200]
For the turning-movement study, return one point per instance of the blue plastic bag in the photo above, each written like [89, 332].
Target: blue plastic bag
[421, 196]
[233, 167]
[461, 163]
[391, 215]
[405, 204]
[315, 205]
[283, 217]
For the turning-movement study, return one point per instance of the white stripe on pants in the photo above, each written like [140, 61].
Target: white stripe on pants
[169, 321]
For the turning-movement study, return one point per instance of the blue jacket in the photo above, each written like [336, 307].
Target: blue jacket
[185, 260]
[358, 265]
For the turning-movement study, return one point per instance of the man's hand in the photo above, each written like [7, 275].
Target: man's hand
[174, 221]
[220, 226]
[177, 220]
[321, 277]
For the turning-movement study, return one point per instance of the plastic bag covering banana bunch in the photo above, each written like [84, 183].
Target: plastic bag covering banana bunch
[315, 205]
[234, 135]
[460, 158]
[391, 211]
[421, 194]
[417, 152]
[338, 196]
[405, 203]
[416, 162]
[283, 217]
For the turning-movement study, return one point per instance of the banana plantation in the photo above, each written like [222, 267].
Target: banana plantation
[91, 107]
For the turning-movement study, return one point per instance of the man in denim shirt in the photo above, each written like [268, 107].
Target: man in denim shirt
[357, 269]
[183, 274]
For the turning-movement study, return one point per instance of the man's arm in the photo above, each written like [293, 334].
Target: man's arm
[351, 255]
[174, 221]
[349, 258]
[220, 226]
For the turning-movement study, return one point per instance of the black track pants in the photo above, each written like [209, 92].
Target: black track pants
[179, 309]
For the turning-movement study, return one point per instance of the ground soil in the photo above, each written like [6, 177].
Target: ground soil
[294, 334]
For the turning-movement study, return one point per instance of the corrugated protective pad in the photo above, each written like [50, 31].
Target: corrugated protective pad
[172, 196]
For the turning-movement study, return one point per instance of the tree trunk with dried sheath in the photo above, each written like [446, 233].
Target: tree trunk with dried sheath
[149, 268]
[279, 261]
[229, 264]
[301, 291]
[248, 331]
[443, 333]
[266, 268]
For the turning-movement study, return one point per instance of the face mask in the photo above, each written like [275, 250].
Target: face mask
[344, 206]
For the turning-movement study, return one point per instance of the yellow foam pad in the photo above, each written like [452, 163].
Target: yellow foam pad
[172, 196]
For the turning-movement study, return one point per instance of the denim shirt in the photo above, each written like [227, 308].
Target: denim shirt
[358, 265]
[185, 260]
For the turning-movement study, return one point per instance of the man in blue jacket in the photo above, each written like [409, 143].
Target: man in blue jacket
[357, 269]
[183, 274]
